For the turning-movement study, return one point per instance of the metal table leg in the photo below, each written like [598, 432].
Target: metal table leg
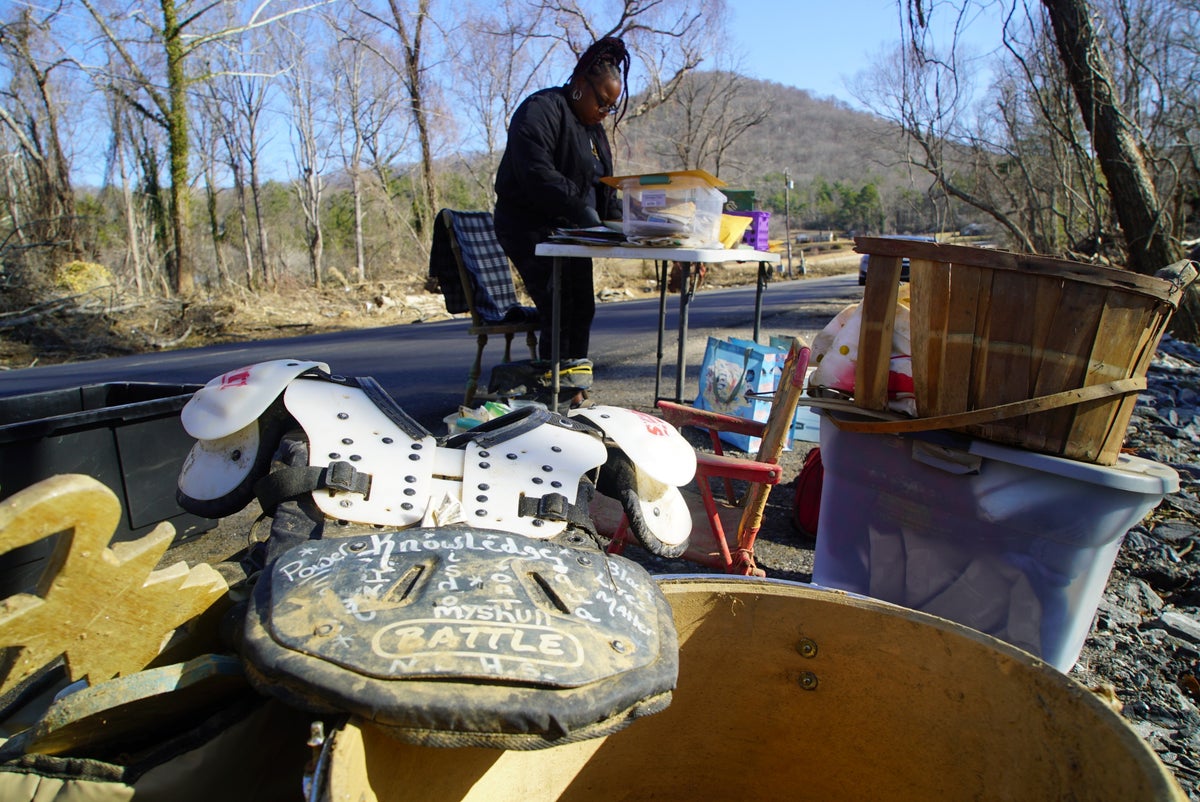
[685, 298]
[660, 269]
[555, 324]
[763, 267]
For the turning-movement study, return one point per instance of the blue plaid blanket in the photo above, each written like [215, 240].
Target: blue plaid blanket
[486, 263]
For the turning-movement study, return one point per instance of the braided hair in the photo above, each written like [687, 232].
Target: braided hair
[606, 58]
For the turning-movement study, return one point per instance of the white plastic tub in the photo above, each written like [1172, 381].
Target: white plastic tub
[1012, 543]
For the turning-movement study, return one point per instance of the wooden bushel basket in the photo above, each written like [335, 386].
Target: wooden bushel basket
[1030, 351]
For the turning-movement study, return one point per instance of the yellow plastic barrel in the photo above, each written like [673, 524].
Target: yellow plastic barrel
[790, 692]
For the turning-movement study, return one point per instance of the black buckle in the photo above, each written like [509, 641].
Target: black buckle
[343, 476]
[550, 507]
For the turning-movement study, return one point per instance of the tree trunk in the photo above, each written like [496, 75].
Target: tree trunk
[16, 214]
[316, 250]
[31, 116]
[156, 206]
[182, 278]
[238, 176]
[131, 227]
[427, 199]
[1143, 219]
[244, 219]
[214, 231]
[360, 268]
[65, 200]
[256, 196]
[429, 202]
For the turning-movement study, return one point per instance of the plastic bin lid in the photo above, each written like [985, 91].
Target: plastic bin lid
[1130, 473]
[675, 176]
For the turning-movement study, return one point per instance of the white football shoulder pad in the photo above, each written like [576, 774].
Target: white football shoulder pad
[652, 444]
[234, 400]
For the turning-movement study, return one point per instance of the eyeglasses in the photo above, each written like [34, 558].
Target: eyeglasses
[610, 108]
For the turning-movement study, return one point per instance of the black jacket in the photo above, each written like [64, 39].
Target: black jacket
[547, 171]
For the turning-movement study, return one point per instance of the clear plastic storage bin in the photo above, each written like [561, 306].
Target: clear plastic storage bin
[683, 205]
[1015, 544]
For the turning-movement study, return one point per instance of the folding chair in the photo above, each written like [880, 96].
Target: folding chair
[475, 275]
[761, 472]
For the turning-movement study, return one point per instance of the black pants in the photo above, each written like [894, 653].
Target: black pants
[578, 303]
[577, 292]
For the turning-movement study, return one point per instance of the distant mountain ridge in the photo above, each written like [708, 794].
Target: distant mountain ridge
[812, 138]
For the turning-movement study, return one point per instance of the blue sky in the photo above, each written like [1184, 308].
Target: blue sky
[816, 45]
[820, 45]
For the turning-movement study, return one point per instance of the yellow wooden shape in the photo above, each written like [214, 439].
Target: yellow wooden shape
[104, 608]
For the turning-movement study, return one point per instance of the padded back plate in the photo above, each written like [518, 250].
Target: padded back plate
[464, 636]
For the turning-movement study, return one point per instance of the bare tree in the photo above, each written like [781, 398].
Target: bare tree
[135, 160]
[1108, 108]
[365, 113]
[304, 89]
[668, 38]
[387, 134]
[178, 36]
[926, 92]
[232, 108]
[249, 84]
[708, 113]
[42, 209]
[209, 137]
[1144, 221]
[131, 212]
[496, 65]
[350, 58]
[409, 24]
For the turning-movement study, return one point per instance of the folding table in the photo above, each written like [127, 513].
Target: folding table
[662, 258]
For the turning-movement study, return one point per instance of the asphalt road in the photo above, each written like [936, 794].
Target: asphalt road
[424, 365]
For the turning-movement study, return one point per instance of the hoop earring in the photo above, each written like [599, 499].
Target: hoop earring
[576, 94]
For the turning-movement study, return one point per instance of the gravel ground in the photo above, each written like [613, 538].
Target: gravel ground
[1143, 650]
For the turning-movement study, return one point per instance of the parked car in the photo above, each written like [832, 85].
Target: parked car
[862, 263]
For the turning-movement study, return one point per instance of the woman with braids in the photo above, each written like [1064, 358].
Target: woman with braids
[549, 178]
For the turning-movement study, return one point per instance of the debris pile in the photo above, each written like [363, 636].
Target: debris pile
[1144, 647]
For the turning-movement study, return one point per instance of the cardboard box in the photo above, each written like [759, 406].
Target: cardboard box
[733, 373]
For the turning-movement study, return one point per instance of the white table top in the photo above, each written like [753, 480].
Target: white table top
[706, 255]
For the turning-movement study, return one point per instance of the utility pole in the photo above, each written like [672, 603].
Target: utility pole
[787, 218]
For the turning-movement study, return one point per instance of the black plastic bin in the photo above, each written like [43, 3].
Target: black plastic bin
[126, 435]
